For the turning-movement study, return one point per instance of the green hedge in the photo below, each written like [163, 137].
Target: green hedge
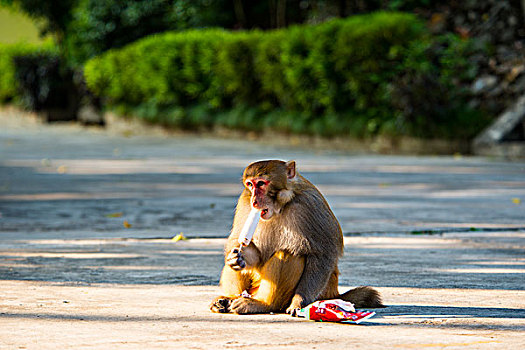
[335, 78]
[9, 86]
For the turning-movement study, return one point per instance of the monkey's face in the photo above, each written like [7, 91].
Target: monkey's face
[269, 185]
[260, 188]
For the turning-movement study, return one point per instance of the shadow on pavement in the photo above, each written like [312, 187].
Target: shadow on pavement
[401, 261]
[112, 261]
[404, 315]
[440, 312]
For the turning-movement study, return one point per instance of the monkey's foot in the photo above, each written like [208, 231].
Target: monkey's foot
[293, 311]
[221, 305]
[297, 303]
[248, 306]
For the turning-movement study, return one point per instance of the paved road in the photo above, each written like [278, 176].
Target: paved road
[67, 182]
[442, 238]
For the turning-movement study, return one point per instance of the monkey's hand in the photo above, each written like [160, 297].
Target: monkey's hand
[298, 302]
[235, 260]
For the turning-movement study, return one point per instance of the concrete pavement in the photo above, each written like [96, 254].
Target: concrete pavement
[87, 259]
[162, 185]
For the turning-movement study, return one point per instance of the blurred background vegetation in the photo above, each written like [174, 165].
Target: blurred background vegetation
[16, 26]
[347, 68]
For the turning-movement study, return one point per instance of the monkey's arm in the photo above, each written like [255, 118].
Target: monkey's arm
[316, 273]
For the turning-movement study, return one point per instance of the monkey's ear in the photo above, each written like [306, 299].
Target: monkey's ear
[290, 169]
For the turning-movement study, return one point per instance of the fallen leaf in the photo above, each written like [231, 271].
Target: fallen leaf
[114, 215]
[127, 133]
[295, 141]
[179, 237]
[516, 200]
[62, 169]
[126, 224]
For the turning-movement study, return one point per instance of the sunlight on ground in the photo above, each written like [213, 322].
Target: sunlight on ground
[58, 196]
[156, 190]
[73, 255]
[514, 262]
[443, 345]
[405, 242]
[133, 267]
[468, 225]
[431, 169]
[481, 270]
[109, 166]
[396, 169]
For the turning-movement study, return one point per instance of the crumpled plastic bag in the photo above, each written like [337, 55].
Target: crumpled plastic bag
[334, 310]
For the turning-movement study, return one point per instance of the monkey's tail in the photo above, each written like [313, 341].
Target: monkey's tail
[363, 297]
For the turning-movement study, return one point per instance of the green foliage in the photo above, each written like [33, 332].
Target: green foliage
[169, 69]
[343, 77]
[55, 13]
[9, 86]
[428, 90]
[407, 5]
[98, 26]
[16, 26]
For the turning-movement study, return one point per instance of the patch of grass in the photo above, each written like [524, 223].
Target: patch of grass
[16, 27]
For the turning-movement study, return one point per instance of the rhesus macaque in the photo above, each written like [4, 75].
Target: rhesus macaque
[292, 258]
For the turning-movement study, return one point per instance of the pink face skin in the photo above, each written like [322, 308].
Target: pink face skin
[259, 200]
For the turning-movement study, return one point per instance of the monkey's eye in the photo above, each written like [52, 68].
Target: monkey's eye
[249, 184]
[260, 183]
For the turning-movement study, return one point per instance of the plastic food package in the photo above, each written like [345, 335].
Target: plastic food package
[335, 310]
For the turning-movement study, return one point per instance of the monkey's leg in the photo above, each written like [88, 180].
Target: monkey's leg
[331, 290]
[233, 283]
[278, 280]
[318, 271]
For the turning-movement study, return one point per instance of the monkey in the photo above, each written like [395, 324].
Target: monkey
[293, 256]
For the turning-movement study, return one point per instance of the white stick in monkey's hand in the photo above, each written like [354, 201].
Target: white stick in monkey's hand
[249, 227]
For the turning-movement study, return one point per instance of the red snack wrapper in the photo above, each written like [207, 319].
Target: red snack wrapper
[335, 310]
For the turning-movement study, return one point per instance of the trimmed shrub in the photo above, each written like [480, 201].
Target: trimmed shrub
[336, 78]
[36, 77]
[430, 86]
[9, 86]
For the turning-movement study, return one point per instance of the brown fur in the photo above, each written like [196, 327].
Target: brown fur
[292, 259]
